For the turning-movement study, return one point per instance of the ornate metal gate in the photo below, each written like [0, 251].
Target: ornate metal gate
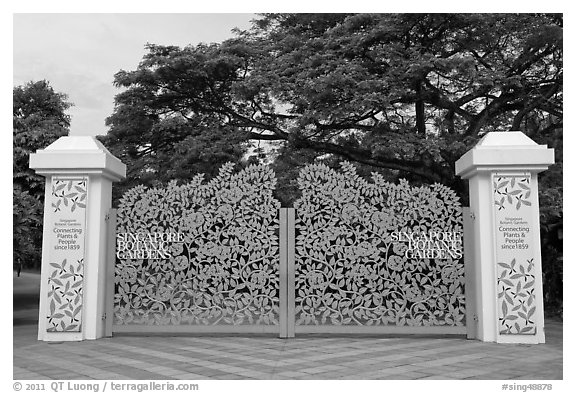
[377, 257]
[199, 257]
[351, 257]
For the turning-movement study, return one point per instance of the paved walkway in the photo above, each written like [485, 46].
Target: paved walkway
[267, 357]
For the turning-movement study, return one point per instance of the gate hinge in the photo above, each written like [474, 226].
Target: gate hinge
[472, 216]
[106, 216]
[104, 316]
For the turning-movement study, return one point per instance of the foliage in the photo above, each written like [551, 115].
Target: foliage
[405, 92]
[39, 118]
[551, 224]
[27, 225]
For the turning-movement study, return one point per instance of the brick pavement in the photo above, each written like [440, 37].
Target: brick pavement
[267, 357]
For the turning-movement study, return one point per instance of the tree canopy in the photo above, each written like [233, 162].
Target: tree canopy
[39, 118]
[406, 94]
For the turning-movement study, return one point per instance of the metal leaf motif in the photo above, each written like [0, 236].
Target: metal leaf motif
[61, 194]
[225, 272]
[65, 303]
[349, 272]
[516, 297]
[516, 277]
[513, 191]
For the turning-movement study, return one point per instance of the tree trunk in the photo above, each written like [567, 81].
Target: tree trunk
[420, 115]
[450, 120]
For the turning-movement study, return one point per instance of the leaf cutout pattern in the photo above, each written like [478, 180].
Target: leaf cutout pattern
[225, 272]
[511, 192]
[349, 272]
[516, 299]
[65, 296]
[64, 196]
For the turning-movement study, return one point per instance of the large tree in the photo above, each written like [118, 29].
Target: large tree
[406, 93]
[39, 118]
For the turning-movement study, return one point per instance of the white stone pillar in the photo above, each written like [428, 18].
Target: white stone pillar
[506, 260]
[79, 173]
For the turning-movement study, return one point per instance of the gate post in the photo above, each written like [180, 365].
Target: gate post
[287, 229]
[110, 267]
[291, 264]
[79, 173]
[506, 277]
[469, 275]
[283, 274]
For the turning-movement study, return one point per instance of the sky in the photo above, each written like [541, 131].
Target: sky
[80, 53]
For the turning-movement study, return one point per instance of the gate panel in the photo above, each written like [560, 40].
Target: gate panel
[199, 257]
[377, 257]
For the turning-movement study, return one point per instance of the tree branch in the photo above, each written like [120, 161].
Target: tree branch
[365, 157]
[535, 104]
[264, 137]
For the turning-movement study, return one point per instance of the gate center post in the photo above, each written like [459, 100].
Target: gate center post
[286, 274]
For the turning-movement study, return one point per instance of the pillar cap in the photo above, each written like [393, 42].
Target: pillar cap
[77, 155]
[501, 151]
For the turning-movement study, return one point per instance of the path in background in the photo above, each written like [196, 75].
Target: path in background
[266, 357]
[26, 297]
